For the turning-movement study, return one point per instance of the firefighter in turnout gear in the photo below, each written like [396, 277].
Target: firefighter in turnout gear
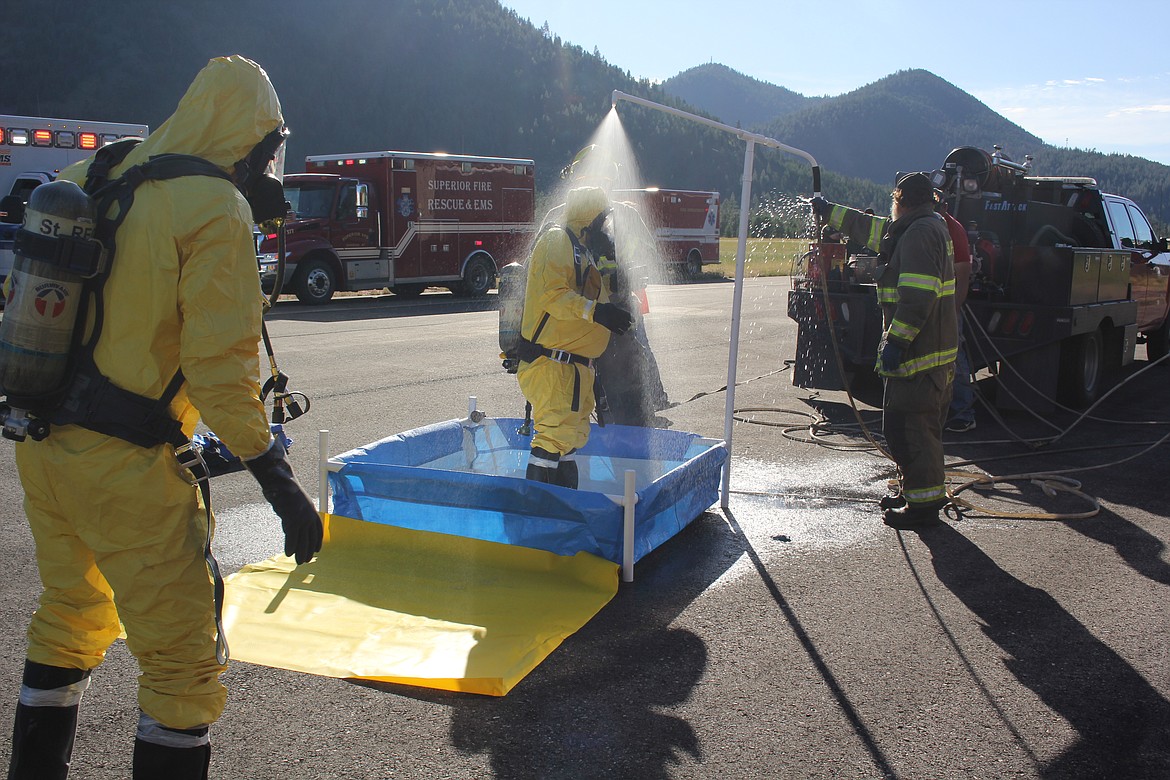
[122, 532]
[916, 290]
[567, 323]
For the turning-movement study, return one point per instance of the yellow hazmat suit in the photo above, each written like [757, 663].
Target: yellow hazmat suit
[119, 532]
[564, 288]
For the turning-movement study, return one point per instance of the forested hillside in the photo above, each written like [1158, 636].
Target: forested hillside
[468, 76]
[461, 76]
[734, 98]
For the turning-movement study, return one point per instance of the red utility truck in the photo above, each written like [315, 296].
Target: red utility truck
[402, 220]
[685, 222]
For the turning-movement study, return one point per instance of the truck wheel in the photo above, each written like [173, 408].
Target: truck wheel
[315, 283]
[694, 264]
[479, 277]
[1082, 363]
[408, 290]
[1158, 342]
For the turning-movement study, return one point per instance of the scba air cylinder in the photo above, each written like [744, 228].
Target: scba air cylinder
[513, 278]
[54, 251]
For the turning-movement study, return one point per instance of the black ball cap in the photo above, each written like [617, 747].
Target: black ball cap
[915, 184]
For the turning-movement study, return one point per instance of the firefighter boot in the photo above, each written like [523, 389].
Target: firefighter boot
[542, 466]
[567, 474]
[46, 720]
[159, 762]
[161, 753]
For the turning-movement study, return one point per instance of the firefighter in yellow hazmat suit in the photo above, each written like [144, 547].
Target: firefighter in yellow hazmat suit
[567, 323]
[120, 532]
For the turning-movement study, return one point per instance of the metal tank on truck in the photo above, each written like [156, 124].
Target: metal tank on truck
[1066, 280]
[33, 150]
[402, 220]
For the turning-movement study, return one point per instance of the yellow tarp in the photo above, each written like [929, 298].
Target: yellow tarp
[397, 605]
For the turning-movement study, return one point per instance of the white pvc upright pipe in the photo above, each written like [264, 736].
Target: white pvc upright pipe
[629, 501]
[323, 476]
[736, 306]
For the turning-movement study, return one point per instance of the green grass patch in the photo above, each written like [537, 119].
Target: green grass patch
[764, 257]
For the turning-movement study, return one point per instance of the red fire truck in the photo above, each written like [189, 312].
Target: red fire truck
[402, 220]
[685, 222]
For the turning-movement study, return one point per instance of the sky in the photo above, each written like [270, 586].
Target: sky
[1089, 75]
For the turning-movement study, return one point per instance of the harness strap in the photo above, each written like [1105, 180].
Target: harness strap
[529, 351]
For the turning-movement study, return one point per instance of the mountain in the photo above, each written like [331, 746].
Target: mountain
[469, 76]
[909, 120]
[738, 100]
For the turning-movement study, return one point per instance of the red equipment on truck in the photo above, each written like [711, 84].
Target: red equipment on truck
[685, 222]
[1066, 280]
[403, 220]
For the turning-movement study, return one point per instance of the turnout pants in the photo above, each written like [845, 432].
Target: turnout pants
[914, 411]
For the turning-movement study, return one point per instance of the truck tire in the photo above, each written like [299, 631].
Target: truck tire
[478, 278]
[408, 290]
[1158, 341]
[1082, 369]
[315, 283]
[694, 265]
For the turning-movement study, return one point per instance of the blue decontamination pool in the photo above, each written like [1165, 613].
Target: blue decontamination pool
[466, 477]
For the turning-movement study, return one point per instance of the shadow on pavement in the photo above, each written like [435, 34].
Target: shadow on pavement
[1123, 723]
[591, 709]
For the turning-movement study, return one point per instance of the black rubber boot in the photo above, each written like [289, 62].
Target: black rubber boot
[539, 472]
[42, 737]
[160, 762]
[567, 474]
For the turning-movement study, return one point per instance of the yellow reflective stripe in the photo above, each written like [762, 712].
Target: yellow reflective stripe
[837, 216]
[921, 282]
[887, 294]
[903, 331]
[925, 495]
[875, 232]
[948, 287]
[922, 363]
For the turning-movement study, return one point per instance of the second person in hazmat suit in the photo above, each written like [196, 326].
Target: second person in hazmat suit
[567, 323]
[628, 372]
[122, 534]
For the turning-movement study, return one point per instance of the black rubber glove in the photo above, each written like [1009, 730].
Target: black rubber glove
[892, 355]
[821, 207]
[298, 517]
[613, 317]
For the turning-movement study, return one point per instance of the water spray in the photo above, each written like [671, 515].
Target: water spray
[741, 248]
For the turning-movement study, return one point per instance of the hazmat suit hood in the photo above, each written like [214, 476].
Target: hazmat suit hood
[229, 107]
[582, 206]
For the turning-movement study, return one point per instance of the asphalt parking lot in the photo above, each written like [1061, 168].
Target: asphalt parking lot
[789, 635]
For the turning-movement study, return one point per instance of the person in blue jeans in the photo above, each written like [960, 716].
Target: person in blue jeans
[961, 415]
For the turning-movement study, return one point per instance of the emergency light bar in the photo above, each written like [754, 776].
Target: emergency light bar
[42, 137]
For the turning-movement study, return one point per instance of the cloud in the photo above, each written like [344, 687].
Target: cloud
[1130, 116]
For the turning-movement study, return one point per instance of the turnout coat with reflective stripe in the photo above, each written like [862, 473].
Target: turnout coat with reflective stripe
[916, 289]
[917, 293]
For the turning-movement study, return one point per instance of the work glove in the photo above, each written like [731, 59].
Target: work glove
[298, 517]
[821, 207]
[892, 355]
[613, 317]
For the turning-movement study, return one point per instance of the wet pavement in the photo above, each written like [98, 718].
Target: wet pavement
[790, 635]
